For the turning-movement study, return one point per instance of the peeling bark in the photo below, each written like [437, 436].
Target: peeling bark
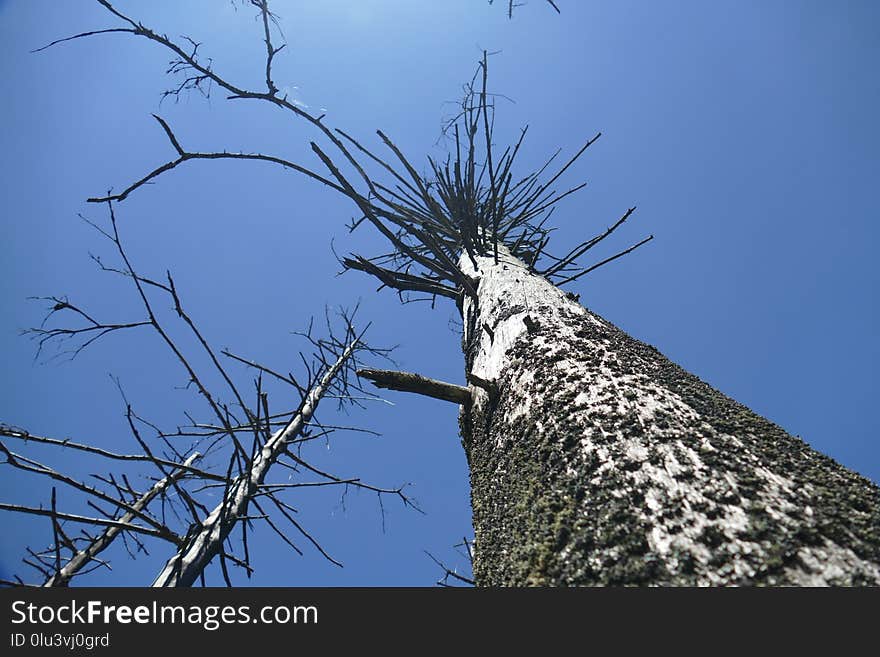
[599, 461]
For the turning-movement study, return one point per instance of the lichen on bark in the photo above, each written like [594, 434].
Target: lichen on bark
[599, 461]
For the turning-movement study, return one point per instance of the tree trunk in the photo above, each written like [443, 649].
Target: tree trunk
[598, 461]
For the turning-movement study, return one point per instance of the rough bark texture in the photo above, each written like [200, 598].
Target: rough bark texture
[599, 461]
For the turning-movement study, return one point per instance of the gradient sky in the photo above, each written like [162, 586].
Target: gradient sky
[745, 132]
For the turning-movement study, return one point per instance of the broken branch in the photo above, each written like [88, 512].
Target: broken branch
[421, 385]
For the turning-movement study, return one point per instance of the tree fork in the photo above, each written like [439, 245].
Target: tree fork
[602, 462]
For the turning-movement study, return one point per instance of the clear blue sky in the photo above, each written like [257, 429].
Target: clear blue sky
[746, 133]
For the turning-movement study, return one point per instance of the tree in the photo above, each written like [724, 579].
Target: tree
[593, 459]
[276, 439]
[183, 489]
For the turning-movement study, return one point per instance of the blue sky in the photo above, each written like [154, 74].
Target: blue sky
[745, 132]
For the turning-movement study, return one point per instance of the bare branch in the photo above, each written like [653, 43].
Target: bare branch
[582, 248]
[18, 508]
[29, 465]
[606, 261]
[206, 541]
[185, 156]
[421, 385]
[82, 35]
[448, 572]
[67, 443]
[100, 543]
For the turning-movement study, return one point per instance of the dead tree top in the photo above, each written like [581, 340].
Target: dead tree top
[467, 204]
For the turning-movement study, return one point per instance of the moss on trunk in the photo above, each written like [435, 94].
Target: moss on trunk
[599, 461]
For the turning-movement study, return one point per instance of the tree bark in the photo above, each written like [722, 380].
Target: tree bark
[599, 462]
